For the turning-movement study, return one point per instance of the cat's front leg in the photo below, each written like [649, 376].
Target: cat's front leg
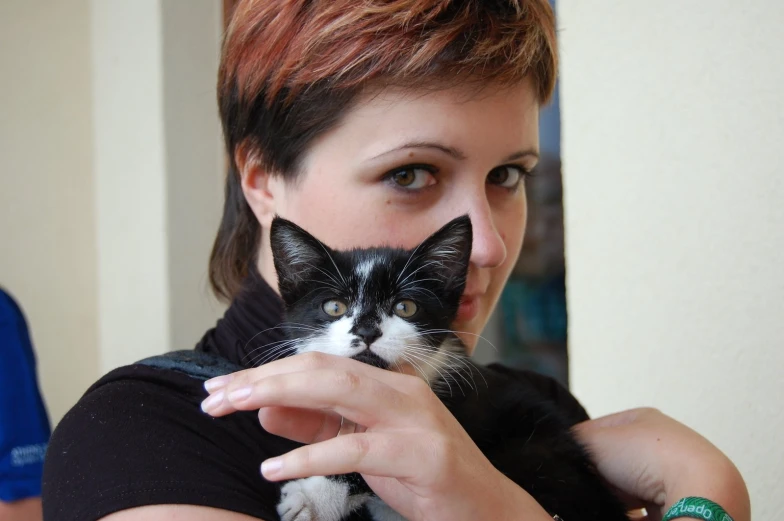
[318, 499]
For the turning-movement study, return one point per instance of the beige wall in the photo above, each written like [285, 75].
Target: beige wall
[194, 160]
[673, 119]
[110, 180]
[47, 226]
[158, 164]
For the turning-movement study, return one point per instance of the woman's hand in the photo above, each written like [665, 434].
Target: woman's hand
[410, 449]
[654, 461]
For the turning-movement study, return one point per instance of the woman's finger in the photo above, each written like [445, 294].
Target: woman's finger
[375, 454]
[307, 362]
[363, 400]
[302, 425]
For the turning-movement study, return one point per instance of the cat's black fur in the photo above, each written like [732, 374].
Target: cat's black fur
[519, 431]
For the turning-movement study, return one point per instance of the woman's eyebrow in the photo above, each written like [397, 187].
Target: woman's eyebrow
[523, 153]
[453, 152]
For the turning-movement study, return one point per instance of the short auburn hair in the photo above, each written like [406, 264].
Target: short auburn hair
[291, 68]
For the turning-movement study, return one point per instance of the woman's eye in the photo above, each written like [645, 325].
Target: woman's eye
[334, 308]
[405, 308]
[412, 177]
[508, 176]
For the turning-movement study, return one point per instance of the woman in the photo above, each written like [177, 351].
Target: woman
[366, 123]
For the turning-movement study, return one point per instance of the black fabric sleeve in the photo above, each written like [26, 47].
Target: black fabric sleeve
[138, 437]
[550, 389]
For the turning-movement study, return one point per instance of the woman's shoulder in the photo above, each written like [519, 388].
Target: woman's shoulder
[138, 437]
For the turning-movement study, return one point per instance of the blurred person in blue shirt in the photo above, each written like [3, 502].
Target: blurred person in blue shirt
[24, 425]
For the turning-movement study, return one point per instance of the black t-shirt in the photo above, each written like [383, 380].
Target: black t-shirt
[138, 435]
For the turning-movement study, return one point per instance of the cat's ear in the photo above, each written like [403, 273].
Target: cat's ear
[449, 251]
[295, 252]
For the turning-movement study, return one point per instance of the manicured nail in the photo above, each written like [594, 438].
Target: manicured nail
[214, 384]
[211, 402]
[271, 467]
[238, 395]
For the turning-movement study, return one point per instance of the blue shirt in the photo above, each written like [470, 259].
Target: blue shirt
[24, 425]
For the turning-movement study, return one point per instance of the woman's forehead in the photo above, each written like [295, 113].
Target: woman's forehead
[396, 121]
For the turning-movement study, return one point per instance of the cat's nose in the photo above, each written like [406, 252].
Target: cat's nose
[368, 334]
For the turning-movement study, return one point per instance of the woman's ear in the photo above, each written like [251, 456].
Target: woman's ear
[255, 181]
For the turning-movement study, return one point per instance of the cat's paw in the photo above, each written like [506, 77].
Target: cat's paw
[314, 499]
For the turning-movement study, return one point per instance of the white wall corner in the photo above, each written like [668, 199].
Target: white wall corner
[154, 69]
[672, 121]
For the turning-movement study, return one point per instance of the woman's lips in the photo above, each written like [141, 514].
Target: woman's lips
[469, 308]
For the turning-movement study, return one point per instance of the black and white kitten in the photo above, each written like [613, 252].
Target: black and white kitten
[388, 307]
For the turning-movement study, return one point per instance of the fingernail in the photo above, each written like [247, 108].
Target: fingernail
[271, 466]
[216, 383]
[238, 395]
[211, 402]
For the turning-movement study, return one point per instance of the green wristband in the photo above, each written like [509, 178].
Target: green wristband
[697, 508]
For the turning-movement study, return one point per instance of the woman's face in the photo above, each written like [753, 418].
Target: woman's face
[400, 165]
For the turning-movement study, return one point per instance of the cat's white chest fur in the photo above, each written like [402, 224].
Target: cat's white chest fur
[314, 499]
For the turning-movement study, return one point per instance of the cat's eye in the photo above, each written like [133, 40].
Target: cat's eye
[334, 308]
[412, 177]
[405, 308]
[508, 176]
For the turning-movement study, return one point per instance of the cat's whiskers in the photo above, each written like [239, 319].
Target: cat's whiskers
[299, 325]
[329, 255]
[423, 290]
[288, 346]
[447, 375]
[268, 354]
[442, 381]
[280, 352]
[455, 363]
[280, 345]
[457, 357]
[271, 345]
[415, 365]
[411, 257]
[282, 325]
[426, 355]
[420, 268]
[321, 284]
[417, 281]
[315, 289]
[454, 331]
[408, 356]
[328, 274]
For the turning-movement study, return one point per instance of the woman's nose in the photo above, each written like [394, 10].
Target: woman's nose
[488, 249]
